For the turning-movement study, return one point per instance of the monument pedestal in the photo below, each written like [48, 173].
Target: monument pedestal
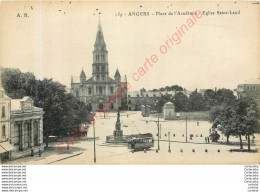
[117, 136]
[118, 133]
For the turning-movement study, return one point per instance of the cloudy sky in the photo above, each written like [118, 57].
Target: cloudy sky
[56, 41]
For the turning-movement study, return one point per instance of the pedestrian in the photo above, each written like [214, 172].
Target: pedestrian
[208, 139]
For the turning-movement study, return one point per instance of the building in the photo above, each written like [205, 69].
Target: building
[100, 89]
[5, 107]
[146, 110]
[26, 127]
[138, 98]
[169, 111]
[249, 88]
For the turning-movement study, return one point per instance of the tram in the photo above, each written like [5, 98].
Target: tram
[141, 142]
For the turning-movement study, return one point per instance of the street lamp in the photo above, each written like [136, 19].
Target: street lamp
[93, 121]
[186, 129]
[158, 134]
[169, 150]
[160, 130]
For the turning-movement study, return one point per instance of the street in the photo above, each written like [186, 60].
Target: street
[192, 152]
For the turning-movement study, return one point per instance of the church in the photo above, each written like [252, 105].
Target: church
[99, 89]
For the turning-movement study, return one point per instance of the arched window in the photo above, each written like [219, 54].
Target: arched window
[97, 58]
[89, 90]
[3, 131]
[102, 57]
[3, 111]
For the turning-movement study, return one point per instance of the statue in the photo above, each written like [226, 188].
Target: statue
[118, 116]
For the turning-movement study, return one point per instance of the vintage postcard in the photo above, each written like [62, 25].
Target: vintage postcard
[129, 82]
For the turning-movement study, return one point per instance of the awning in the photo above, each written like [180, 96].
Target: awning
[2, 150]
[6, 146]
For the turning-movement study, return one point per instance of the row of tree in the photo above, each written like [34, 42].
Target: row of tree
[239, 118]
[62, 111]
[196, 101]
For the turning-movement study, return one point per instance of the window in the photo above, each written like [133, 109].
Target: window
[98, 77]
[3, 130]
[128, 95]
[97, 58]
[3, 111]
[137, 95]
[100, 90]
[97, 68]
[89, 90]
[153, 95]
[111, 90]
[103, 68]
[146, 95]
[103, 78]
[102, 57]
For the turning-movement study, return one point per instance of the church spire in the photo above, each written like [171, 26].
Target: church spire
[100, 44]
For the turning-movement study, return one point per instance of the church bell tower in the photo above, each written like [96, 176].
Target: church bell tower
[100, 60]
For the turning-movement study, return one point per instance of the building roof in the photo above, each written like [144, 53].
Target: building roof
[169, 105]
[82, 75]
[117, 74]
[100, 44]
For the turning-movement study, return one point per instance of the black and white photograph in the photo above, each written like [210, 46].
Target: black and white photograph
[129, 83]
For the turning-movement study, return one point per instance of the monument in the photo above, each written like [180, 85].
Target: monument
[117, 136]
[118, 133]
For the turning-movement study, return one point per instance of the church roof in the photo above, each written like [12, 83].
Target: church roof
[91, 80]
[110, 80]
[117, 74]
[100, 44]
[82, 75]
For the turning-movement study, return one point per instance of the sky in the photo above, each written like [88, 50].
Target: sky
[56, 40]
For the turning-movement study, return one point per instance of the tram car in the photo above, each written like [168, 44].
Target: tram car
[141, 142]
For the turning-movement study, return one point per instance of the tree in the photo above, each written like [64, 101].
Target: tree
[63, 111]
[237, 118]
[18, 84]
[209, 98]
[163, 99]
[224, 96]
[221, 118]
[196, 102]
[181, 102]
[247, 118]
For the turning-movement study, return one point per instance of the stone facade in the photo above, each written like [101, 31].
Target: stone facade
[5, 107]
[26, 127]
[100, 89]
[249, 89]
[146, 110]
[169, 111]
